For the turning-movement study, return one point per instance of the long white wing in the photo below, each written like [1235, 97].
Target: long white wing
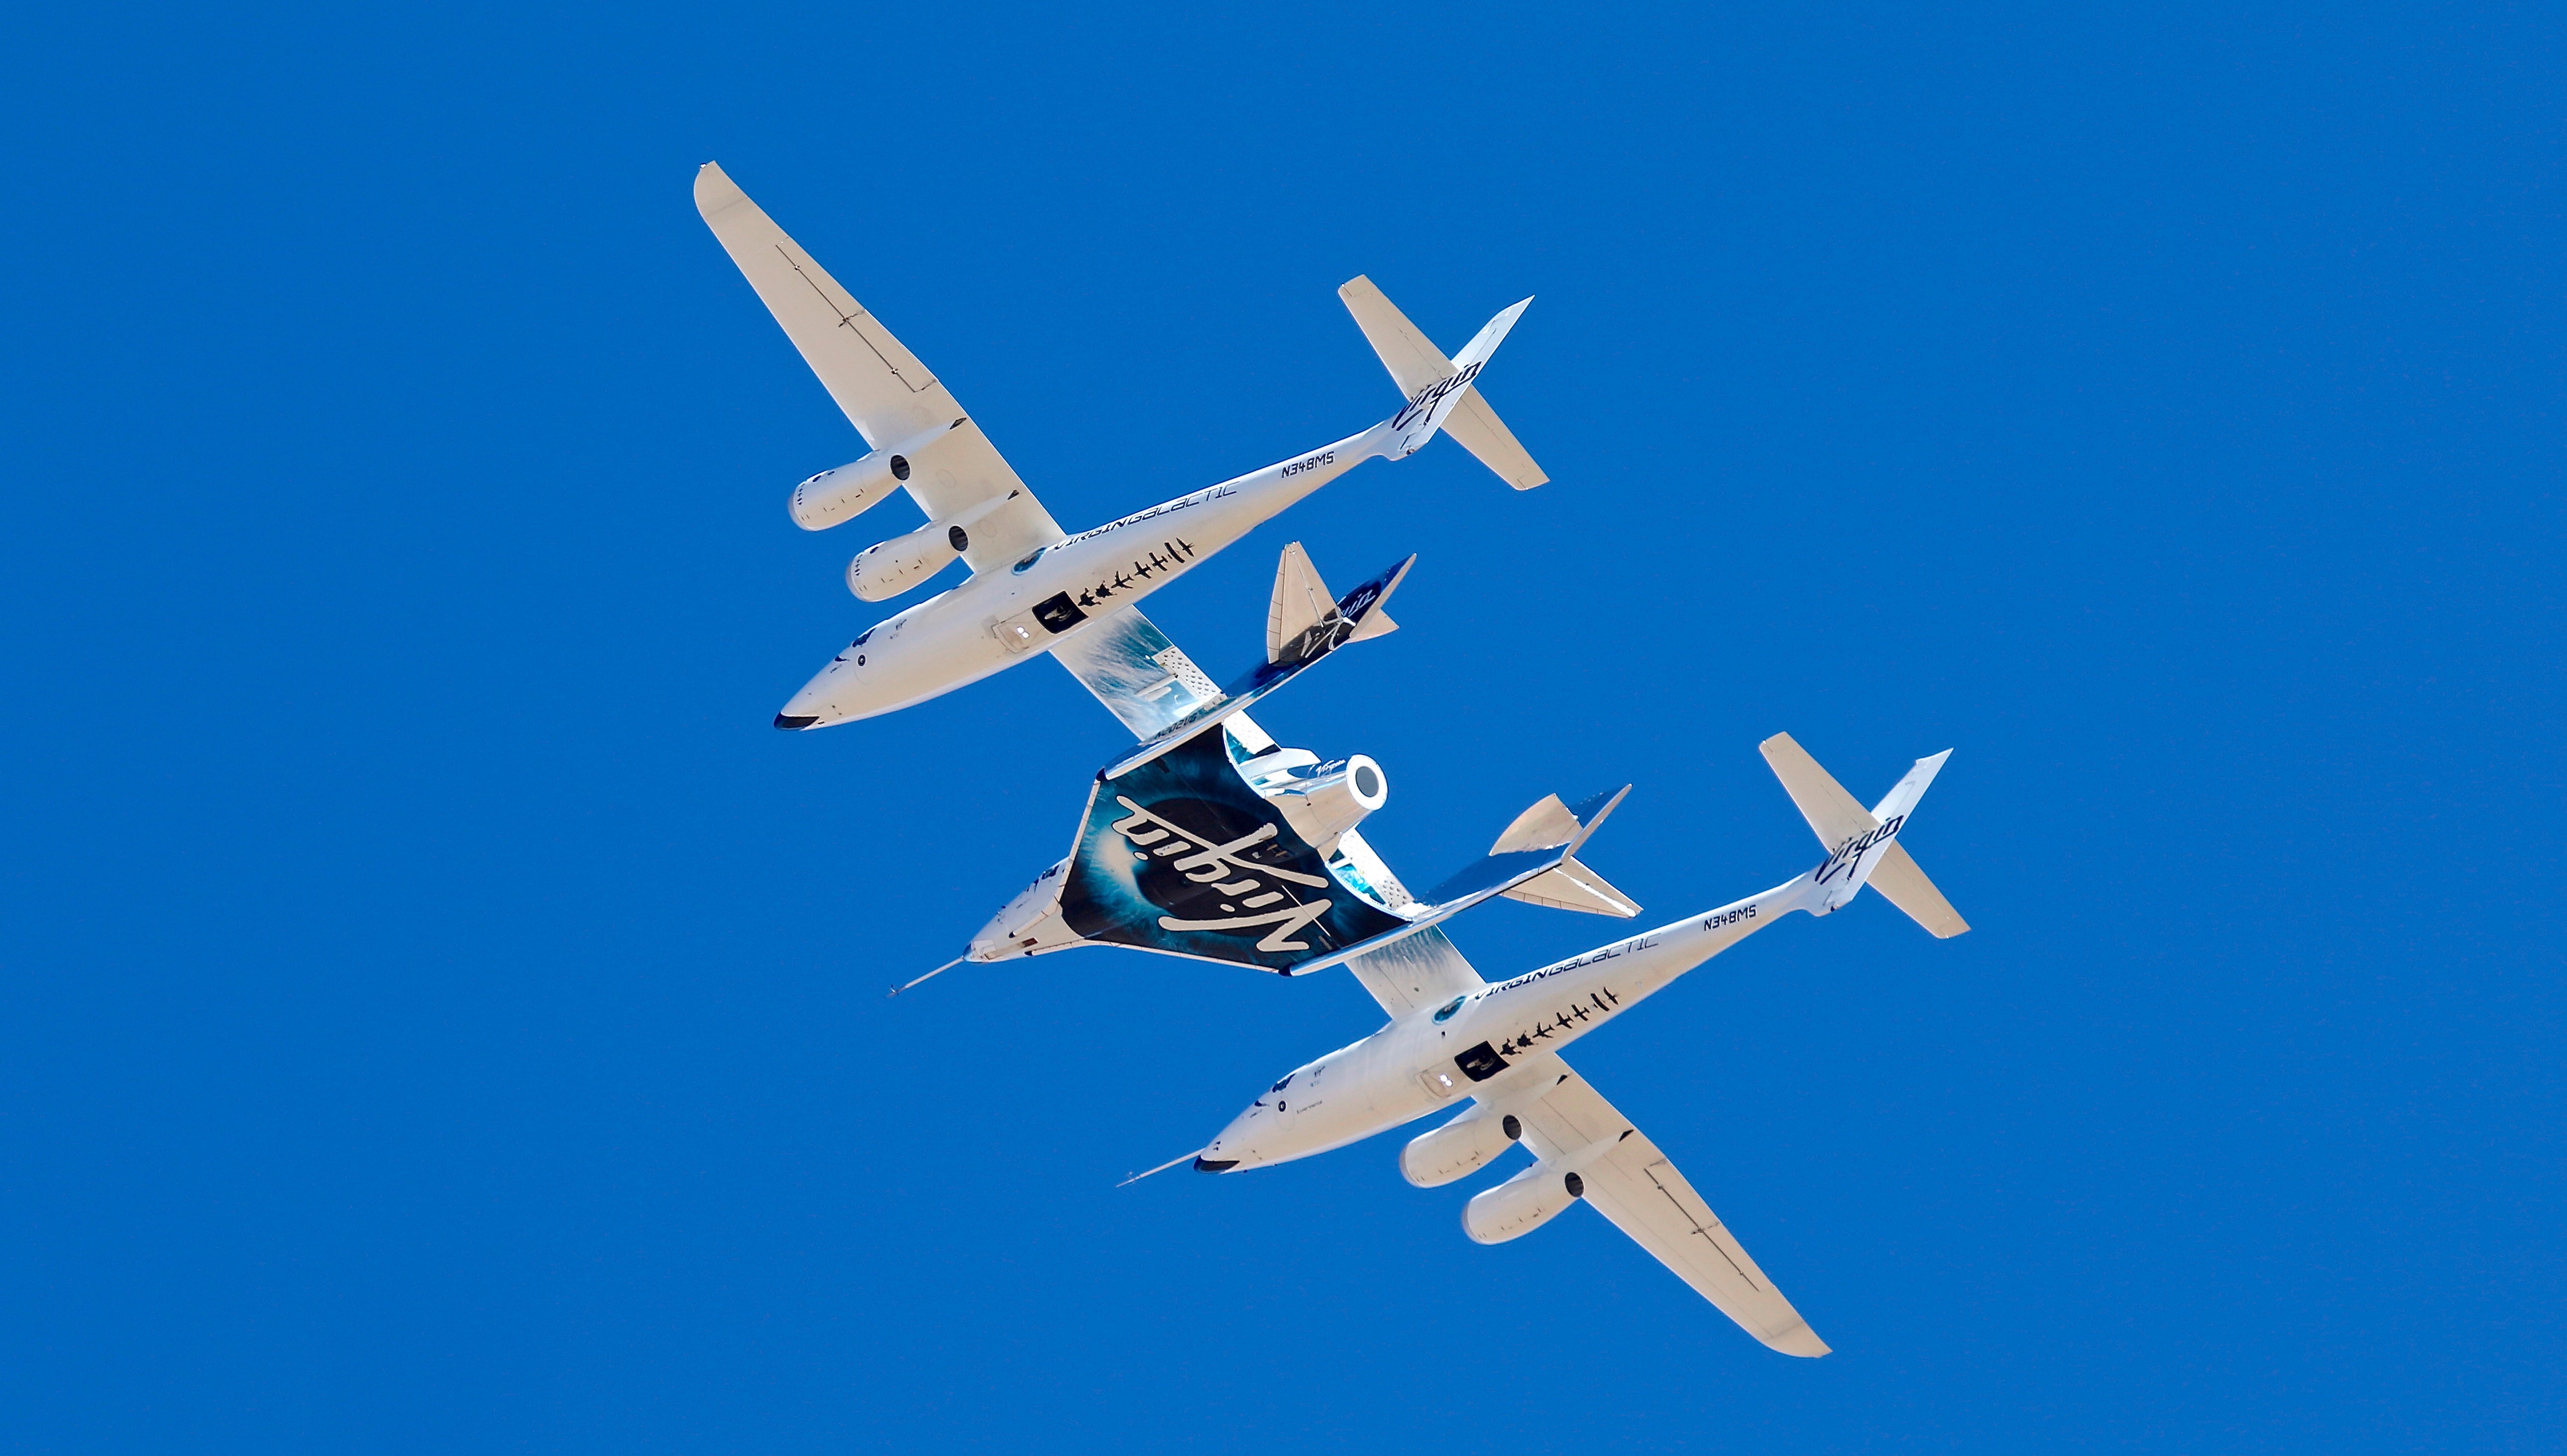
[886, 392]
[1640, 1191]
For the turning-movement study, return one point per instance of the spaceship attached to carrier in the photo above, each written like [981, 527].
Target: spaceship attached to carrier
[1209, 839]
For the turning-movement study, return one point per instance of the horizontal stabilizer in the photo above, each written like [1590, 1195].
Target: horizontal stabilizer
[1413, 362]
[1900, 882]
[1521, 857]
[1573, 886]
[1833, 814]
[1476, 427]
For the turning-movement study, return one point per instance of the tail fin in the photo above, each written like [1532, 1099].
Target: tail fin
[1429, 380]
[1305, 619]
[1300, 602]
[1861, 844]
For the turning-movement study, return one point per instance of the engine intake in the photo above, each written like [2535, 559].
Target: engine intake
[1324, 801]
[1520, 1205]
[1533, 1197]
[842, 494]
[1461, 1146]
[881, 572]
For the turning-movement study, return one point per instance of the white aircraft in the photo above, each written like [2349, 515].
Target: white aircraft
[1451, 1034]
[1034, 587]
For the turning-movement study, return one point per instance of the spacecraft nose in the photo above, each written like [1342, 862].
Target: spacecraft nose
[788, 722]
[1215, 1165]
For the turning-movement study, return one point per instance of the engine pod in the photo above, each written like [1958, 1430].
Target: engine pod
[1521, 1204]
[833, 497]
[1458, 1148]
[884, 570]
[1324, 801]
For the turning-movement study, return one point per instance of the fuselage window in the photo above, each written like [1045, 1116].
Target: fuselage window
[1446, 1015]
[1022, 567]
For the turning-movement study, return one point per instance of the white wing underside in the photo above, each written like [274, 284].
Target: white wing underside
[1414, 971]
[1147, 682]
[1635, 1185]
[884, 391]
[1639, 1191]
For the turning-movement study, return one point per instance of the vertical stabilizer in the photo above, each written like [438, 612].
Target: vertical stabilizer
[1301, 601]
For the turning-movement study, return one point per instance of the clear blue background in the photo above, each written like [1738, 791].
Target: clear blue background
[440, 1015]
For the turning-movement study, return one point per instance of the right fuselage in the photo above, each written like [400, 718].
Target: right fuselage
[1006, 615]
[1477, 1043]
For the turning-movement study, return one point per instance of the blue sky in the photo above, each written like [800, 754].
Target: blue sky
[441, 1015]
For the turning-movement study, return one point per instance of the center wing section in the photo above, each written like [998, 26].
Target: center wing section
[1415, 971]
[1141, 677]
[1639, 1191]
[884, 391]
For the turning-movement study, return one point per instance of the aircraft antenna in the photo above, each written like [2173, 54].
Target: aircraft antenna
[939, 971]
[1162, 1168]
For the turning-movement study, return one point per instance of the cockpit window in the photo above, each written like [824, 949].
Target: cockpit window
[1022, 567]
[1287, 1081]
[1446, 1015]
[860, 637]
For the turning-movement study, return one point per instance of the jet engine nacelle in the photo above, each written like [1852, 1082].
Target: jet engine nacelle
[858, 486]
[1530, 1199]
[1324, 801]
[1521, 1204]
[881, 572]
[1461, 1146]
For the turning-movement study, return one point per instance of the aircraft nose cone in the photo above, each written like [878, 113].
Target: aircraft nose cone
[1215, 1165]
[787, 723]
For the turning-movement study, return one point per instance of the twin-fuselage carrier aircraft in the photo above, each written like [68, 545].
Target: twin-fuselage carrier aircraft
[1210, 840]
[1035, 588]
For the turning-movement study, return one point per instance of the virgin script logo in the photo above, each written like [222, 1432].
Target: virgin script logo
[1229, 880]
[1850, 853]
[1433, 395]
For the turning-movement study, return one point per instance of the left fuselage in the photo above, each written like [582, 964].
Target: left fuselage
[1477, 1044]
[1005, 615]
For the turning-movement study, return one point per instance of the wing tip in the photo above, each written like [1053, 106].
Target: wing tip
[714, 191]
[1799, 1340]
